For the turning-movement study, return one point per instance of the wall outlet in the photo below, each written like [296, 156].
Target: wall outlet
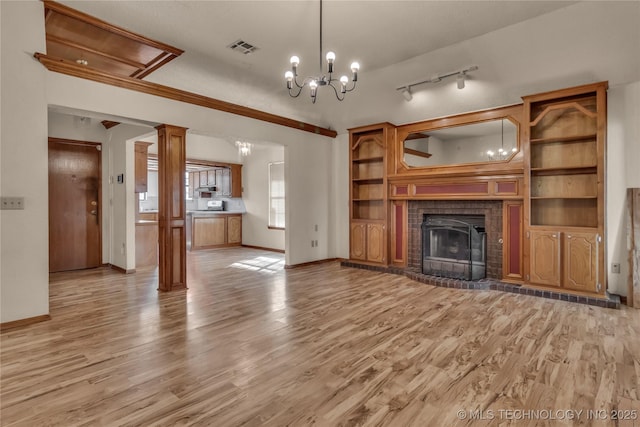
[615, 267]
[12, 203]
[315, 227]
[316, 243]
[312, 244]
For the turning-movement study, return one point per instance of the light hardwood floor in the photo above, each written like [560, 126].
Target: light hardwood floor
[253, 344]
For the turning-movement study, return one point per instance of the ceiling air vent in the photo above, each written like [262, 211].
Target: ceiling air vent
[242, 47]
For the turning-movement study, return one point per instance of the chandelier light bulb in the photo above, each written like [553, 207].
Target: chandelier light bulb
[330, 58]
[295, 61]
[343, 84]
[289, 76]
[313, 85]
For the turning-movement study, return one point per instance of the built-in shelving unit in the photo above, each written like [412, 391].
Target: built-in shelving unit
[368, 155]
[565, 180]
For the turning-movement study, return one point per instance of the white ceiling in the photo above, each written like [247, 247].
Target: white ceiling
[375, 33]
[394, 41]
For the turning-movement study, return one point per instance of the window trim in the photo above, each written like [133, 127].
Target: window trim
[270, 225]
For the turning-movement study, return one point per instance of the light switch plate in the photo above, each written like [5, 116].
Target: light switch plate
[12, 203]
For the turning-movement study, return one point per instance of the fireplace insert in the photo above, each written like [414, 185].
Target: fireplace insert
[454, 246]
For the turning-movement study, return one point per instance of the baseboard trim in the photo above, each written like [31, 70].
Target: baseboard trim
[122, 270]
[306, 264]
[24, 322]
[263, 248]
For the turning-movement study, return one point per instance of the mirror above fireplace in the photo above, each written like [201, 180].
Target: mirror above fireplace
[478, 142]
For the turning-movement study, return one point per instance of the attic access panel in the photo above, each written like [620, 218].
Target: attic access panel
[76, 37]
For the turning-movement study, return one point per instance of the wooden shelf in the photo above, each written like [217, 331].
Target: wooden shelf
[565, 170]
[378, 180]
[574, 138]
[368, 160]
[562, 197]
[368, 200]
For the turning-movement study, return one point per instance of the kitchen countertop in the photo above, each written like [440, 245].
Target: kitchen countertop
[146, 222]
[213, 213]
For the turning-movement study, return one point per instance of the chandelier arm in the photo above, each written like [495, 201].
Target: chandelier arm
[297, 94]
[295, 80]
[335, 90]
[352, 87]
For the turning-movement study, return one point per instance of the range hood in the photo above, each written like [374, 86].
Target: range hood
[209, 189]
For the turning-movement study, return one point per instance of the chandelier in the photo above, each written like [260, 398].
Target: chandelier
[244, 148]
[500, 153]
[321, 80]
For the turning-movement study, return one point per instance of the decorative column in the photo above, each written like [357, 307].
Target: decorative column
[172, 237]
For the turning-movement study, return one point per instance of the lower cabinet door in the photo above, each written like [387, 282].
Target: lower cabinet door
[234, 229]
[375, 243]
[545, 257]
[581, 261]
[359, 241]
[208, 231]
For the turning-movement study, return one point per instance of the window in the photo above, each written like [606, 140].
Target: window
[188, 191]
[276, 195]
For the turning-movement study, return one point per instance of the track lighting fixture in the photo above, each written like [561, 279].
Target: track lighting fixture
[461, 76]
[406, 92]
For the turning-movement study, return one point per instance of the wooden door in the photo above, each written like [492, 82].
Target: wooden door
[358, 240]
[545, 257]
[74, 205]
[581, 261]
[375, 242]
[234, 229]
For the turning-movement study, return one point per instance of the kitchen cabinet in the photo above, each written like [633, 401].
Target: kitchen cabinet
[146, 243]
[234, 229]
[141, 149]
[211, 177]
[236, 180]
[216, 230]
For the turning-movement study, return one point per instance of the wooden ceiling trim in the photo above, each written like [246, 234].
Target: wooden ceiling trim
[108, 124]
[75, 45]
[76, 14]
[153, 65]
[86, 72]
[73, 36]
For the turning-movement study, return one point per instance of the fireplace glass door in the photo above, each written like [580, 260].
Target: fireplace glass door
[454, 246]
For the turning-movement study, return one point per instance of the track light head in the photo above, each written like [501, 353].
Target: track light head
[406, 92]
[460, 80]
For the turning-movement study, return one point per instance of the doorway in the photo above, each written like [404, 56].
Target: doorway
[75, 199]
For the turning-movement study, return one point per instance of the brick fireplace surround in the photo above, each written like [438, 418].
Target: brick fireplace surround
[492, 211]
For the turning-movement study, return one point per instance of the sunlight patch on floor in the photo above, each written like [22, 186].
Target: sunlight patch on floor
[263, 264]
